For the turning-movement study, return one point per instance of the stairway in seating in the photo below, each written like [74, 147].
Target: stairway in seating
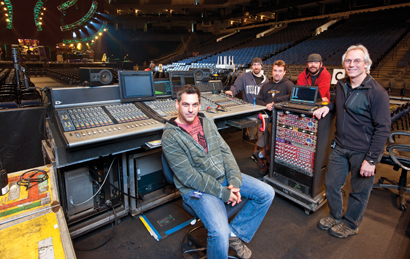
[389, 63]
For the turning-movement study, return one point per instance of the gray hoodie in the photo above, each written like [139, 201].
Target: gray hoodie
[247, 84]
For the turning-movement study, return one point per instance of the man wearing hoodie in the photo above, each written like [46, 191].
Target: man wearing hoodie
[276, 90]
[207, 176]
[316, 74]
[250, 83]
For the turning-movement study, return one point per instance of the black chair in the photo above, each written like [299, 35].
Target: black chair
[397, 156]
[231, 211]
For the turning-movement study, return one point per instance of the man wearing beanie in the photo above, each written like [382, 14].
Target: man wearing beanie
[277, 89]
[250, 82]
[316, 74]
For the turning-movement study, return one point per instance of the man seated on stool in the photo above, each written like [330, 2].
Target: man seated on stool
[276, 90]
[362, 128]
[207, 176]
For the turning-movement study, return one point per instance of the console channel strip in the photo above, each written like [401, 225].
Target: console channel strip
[296, 137]
[167, 110]
[224, 100]
[89, 125]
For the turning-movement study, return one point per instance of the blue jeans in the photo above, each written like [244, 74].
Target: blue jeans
[341, 161]
[211, 210]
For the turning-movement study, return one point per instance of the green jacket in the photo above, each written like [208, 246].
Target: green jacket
[193, 167]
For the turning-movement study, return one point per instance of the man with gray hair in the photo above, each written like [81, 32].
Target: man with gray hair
[362, 128]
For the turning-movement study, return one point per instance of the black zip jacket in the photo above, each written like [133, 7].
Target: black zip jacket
[275, 92]
[363, 119]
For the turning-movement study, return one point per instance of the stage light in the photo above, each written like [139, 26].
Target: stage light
[100, 33]
[5, 8]
[96, 37]
[44, 8]
[74, 35]
[2, 3]
[105, 29]
[7, 14]
[40, 23]
[79, 46]
[92, 40]
[86, 26]
[7, 20]
[41, 18]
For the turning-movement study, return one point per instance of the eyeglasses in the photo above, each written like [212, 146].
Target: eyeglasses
[355, 62]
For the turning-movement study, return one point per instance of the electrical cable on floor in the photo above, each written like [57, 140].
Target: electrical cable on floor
[108, 204]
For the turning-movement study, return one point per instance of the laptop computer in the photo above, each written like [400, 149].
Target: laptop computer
[303, 98]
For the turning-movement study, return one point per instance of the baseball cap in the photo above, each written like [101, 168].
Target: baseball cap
[314, 58]
[257, 60]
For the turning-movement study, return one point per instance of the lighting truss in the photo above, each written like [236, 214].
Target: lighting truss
[66, 5]
[82, 21]
[88, 39]
[9, 18]
[37, 13]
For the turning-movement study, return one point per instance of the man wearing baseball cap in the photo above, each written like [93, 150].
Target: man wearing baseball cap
[316, 74]
[250, 83]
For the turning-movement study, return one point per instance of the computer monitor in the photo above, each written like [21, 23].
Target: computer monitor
[162, 87]
[136, 86]
[180, 78]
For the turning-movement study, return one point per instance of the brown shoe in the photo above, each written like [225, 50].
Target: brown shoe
[343, 231]
[240, 249]
[328, 223]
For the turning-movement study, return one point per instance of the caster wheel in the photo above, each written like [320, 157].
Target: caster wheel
[189, 243]
[307, 212]
[402, 207]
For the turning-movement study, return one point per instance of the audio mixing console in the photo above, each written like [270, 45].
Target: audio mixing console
[88, 125]
[216, 106]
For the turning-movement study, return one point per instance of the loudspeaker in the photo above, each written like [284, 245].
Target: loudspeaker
[96, 76]
[202, 74]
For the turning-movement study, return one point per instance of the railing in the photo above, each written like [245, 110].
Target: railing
[393, 53]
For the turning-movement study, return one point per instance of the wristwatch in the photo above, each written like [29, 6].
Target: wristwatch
[371, 162]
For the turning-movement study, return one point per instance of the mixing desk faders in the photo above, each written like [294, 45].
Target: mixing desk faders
[89, 125]
[214, 105]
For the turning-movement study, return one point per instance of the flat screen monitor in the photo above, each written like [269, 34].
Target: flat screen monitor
[136, 86]
[180, 78]
[162, 87]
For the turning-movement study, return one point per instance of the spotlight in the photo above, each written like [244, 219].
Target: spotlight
[44, 8]
[2, 3]
[105, 29]
[86, 26]
[74, 35]
[100, 33]
[96, 37]
[92, 40]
